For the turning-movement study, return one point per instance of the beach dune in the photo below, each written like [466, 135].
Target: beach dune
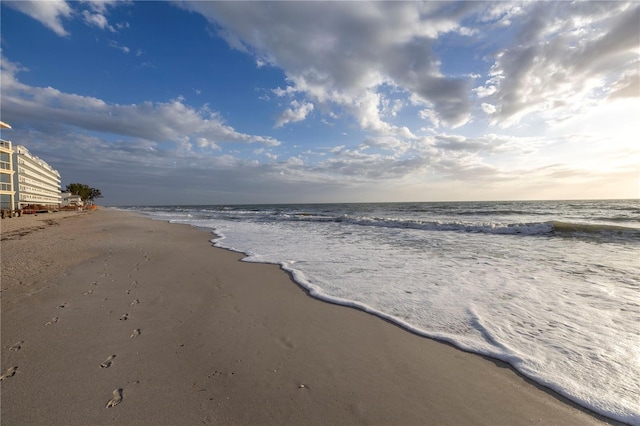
[109, 317]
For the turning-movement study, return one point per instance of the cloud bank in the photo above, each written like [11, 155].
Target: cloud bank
[438, 92]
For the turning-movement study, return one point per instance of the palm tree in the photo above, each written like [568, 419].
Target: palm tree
[93, 194]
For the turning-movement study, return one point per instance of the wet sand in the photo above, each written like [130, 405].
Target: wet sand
[109, 317]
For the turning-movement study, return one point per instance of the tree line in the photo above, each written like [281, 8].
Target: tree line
[85, 192]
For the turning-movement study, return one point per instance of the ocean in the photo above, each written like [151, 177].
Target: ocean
[551, 287]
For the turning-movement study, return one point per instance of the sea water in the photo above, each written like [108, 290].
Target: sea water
[551, 287]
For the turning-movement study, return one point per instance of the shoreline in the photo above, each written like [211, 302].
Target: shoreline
[260, 351]
[498, 362]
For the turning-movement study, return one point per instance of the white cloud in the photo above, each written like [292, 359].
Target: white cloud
[390, 107]
[555, 58]
[489, 144]
[429, 114]
[488, 108]
[565, 56]
[157, 121]
[388, 143]
[206, 143]
[343, 53]
[49, 13]
[628, 86]
[97, 20]
[485, 91]
[116, 45]
[297, 112]
[280, 92]
[294, 161]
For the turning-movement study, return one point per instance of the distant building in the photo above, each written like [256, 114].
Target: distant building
[69, 199]
[7, 191]
[36, 181]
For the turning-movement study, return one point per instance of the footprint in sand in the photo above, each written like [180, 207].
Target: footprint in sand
[135, 302]
[117, 398]
[88, 292]
[17, 346]
[107, 362]
[135, 333]
[124, 317]
[51, 321]
[10, 373]
[127, 291]
[64, 305]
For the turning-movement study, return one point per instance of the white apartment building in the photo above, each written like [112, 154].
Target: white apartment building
[7, 192]
[36, 181]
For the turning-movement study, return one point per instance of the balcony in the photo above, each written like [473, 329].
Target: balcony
[5, 145]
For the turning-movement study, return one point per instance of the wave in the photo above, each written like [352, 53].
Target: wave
[589, 228]
[548, 228]
[631, 219]
[600, 229]
[536, 228]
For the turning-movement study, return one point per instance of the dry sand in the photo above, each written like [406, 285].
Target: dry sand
[112, 318]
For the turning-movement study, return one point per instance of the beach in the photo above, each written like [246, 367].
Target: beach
[111, 308]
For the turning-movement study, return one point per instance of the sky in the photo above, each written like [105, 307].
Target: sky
[198, 102]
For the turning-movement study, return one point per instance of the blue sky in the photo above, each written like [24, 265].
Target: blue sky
[269, 102]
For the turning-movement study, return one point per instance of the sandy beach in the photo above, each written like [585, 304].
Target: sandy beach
[109, 317]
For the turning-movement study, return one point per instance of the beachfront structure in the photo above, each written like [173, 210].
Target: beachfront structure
[7, 192]
[37, 183]
[72, 200]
